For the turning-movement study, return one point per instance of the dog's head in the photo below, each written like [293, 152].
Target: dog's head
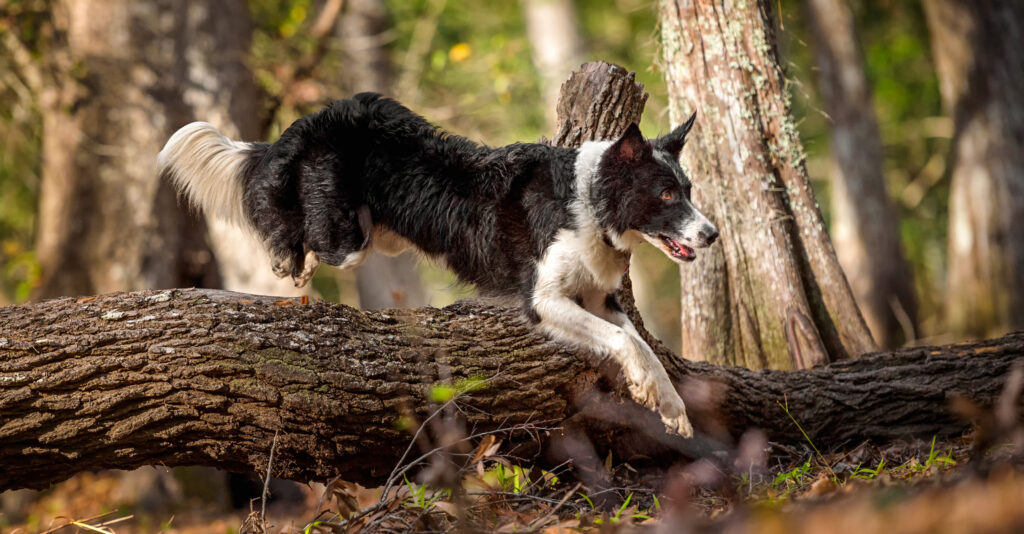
[642, 190]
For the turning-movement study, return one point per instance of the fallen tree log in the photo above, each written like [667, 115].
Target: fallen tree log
[205, 377]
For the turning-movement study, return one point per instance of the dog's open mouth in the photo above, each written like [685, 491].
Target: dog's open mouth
[678, 250]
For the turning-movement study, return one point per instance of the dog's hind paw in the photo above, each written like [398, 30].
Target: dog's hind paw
[282, 267]
[309, 266]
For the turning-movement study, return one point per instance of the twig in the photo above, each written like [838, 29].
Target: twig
[422, 37]
[325, 22]
[565, 498]
[391, 478]
[399, 470]
[266, 484]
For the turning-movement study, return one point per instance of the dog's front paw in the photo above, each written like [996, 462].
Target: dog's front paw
[645, 393]
[673, 414]
[666, 401]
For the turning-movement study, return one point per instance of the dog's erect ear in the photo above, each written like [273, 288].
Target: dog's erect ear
[674, 141]
[631, 146]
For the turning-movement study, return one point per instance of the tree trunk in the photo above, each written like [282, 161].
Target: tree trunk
[772, 294]
[865, 226]
[187, 377]
[129, 73]
[383, 281]
[105, 221]
[977, 53]
[555, 44]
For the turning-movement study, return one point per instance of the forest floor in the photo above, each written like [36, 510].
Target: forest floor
[920, 487]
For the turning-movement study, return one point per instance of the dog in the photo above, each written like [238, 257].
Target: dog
[551, 226]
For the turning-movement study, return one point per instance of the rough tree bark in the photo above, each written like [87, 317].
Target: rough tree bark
[383, 281]
[772, 294]
[865, 226]
[203, 377]
[978, 56]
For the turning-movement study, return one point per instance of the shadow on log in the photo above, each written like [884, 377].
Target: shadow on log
[204, 377]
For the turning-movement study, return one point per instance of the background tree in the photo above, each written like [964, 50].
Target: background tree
[106, 110]
[121, 77]
[556, 46]
[865, 226]
[772, 293]
[978, 56]
[363, 30]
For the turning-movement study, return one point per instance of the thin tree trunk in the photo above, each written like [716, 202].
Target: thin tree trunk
[383, 281]
[205, 377]
[555, 44]
[772, 293]
[977, 50]
[865, 226]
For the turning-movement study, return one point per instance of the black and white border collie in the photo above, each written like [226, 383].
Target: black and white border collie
[552, 226]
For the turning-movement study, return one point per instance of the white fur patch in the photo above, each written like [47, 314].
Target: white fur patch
[564, 274]
[207, 168]
[579, 264]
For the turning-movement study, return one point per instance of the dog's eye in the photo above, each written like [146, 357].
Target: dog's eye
[666, 195]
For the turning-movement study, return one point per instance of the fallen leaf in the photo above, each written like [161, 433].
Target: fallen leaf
[821, 486]
[447, 507]
[485, 449]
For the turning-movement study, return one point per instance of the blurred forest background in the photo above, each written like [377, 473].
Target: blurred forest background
[91, 89]
[486, 70]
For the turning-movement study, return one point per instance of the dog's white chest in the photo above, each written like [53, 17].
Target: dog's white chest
[580, 263]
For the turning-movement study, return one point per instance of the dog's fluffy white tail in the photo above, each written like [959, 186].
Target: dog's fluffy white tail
[209, 169]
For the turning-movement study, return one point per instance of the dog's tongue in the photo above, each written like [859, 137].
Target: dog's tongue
[678, 249]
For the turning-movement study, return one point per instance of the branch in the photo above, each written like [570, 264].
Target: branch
[321, 32]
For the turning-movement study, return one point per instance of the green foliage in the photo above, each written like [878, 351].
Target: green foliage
[474, 65]
[447, 392]
[20, 156]
[864, 473]
[789, 480]
[935, 459]
[421, 497]
[508, 479]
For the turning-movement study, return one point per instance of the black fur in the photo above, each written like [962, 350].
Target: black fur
[488, 213]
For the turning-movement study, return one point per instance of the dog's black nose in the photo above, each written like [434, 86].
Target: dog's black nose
[709, 234]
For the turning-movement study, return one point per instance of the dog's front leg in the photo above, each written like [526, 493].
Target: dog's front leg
[566, 321]
[670, 404]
